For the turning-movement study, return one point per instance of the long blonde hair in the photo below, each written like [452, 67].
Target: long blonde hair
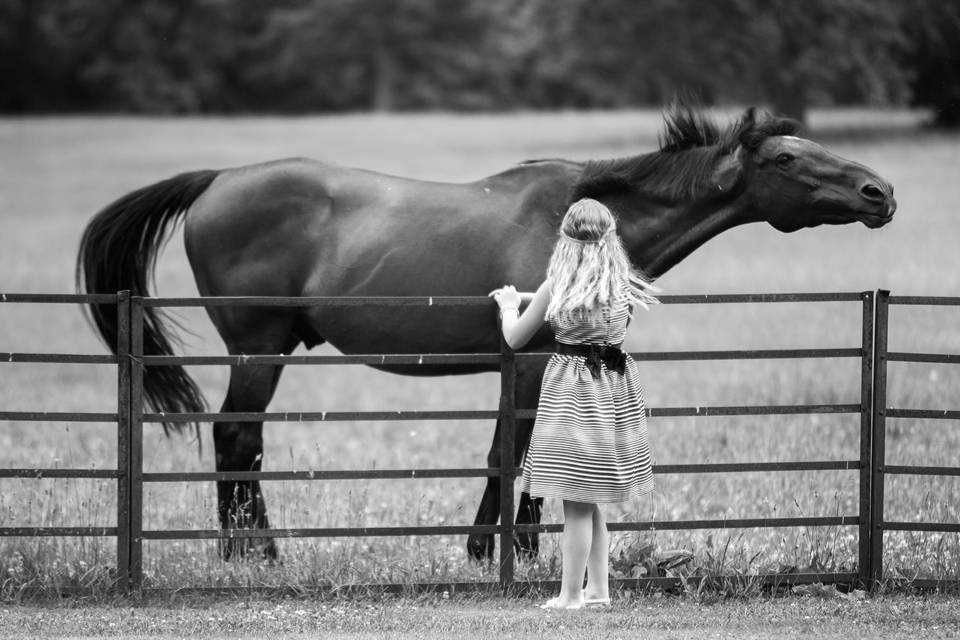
[589, 268]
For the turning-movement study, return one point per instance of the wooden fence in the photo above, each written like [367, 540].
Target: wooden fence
[130, 419]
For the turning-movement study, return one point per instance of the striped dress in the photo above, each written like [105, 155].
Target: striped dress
[589, 442]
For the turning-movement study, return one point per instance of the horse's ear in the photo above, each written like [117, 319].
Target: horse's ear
[748, 132]
[728, 171]
[756, 126]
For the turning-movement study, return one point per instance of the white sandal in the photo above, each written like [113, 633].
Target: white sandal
[595, 602]
[554, 603]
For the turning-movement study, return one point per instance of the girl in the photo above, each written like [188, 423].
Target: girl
[589, 442]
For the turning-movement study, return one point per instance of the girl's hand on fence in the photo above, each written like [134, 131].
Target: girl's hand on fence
[506, 297]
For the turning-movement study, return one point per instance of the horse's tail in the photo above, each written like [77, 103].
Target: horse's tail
[118, 251]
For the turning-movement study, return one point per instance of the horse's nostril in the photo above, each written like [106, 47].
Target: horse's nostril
[872, 192]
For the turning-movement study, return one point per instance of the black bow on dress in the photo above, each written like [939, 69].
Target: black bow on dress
[595, 355]
[613, 357]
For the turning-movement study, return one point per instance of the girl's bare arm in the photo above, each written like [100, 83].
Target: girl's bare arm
[519, 328]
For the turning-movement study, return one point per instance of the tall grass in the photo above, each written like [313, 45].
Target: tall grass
[54, 173]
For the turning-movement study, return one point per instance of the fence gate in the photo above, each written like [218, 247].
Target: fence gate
[122, 473]
[879, 467]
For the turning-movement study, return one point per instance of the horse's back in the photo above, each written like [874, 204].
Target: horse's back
[305, 228]
[334, 218]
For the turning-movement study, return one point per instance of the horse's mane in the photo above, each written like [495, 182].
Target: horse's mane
[690, 147]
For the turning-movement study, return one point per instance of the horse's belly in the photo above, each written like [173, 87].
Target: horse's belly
[404, 329]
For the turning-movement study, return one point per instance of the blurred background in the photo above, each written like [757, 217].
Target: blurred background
[307, 56]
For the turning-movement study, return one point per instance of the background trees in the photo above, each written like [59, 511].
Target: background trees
[932, 58]
[297, 56]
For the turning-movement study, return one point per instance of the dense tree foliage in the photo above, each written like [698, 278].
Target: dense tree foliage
[932, 57]
[297, 56]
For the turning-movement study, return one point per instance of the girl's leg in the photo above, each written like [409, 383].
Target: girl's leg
[577, 534]
[598, 559]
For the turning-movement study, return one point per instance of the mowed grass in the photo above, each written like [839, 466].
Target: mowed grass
[55, 173]
[432, 617]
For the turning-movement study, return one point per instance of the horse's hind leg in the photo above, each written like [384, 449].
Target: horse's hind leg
[239, 445]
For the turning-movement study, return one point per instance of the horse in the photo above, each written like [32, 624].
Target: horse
[298, 227]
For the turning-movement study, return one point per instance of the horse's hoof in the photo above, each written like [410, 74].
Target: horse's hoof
[267, 549]
[481, 547]
[227, 549]
[249, 549]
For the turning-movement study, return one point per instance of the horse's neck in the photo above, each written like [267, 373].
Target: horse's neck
[660, 236]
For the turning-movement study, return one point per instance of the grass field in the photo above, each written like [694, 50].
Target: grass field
[55, 173]
[433, 618]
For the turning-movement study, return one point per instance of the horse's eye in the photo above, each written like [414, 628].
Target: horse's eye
[784, 159]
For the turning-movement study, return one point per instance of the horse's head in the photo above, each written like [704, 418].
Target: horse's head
[796, 183]
[705, 179]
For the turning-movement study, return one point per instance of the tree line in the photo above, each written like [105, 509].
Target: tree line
[310, 56]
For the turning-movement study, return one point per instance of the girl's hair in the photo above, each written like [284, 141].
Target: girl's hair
[589, 267]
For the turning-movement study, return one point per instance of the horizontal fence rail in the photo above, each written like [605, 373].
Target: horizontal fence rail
[479, 472]
[715, 523]
[61, 298]
[41, 474]
[58, 358]
[130, 418]
[474, 301]
[57, 416]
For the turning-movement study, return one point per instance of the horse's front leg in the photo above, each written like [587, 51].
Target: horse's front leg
[529, 379]
[482, 546]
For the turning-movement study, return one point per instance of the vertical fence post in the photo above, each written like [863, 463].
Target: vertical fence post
[879, 436]
[123, 439]
[866, 435]
[136, 442]
[508, 420]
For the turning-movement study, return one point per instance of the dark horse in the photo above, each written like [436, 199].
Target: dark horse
[302, 228]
